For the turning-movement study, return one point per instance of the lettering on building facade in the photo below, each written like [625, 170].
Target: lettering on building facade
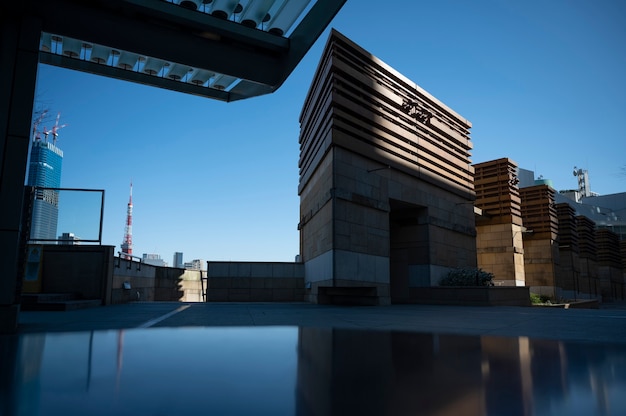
[416, 110]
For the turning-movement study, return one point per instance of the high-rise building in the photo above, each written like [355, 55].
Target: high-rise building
[44, 171]
[195, 264]
[178, 260]
[154, 259]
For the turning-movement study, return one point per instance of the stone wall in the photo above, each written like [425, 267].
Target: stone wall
[471, 296]
[135, 281]
[500, 251]
[82, 270]
[255, 282]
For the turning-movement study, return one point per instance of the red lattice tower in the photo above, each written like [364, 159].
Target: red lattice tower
[127, 244]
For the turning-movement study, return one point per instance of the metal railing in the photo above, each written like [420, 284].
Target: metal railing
[131, 260]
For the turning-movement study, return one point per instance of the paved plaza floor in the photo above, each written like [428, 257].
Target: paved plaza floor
[604, 325]
[298, 358]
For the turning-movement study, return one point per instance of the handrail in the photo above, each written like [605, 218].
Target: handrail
[126, 256]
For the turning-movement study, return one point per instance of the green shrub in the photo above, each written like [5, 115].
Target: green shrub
[467, 277]
[536, 299]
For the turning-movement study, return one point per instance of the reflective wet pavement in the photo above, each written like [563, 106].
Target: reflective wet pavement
[299, 359]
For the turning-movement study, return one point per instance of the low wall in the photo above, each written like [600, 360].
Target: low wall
[82, 270]
[255, 282]
[135, 281]
[471, 296]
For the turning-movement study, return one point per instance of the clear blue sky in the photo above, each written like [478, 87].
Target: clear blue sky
[543, 82]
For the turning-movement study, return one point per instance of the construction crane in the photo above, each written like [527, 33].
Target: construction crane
[36, 125]
[55, 129]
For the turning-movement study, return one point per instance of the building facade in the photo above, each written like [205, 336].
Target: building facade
[153, 259]
[195, 264]
[46, 161]
[386, 185]
[500, 248]
[178, 260]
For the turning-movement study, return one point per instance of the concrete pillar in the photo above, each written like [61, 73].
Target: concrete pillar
[19, 50]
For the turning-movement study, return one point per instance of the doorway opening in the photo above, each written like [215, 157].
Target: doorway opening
[408, 249]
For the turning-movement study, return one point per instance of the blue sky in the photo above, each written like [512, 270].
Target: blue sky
[543, 83]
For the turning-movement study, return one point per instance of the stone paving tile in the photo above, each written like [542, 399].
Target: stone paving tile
[589, 325]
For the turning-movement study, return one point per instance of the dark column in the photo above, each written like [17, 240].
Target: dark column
[19, 45]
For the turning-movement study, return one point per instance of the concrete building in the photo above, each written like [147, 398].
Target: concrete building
[386, 185]
[195, 264]
[69, 239]
[153, 259]
[607, 211]
[574, 250]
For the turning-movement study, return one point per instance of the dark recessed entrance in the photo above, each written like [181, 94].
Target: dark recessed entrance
[408, 248]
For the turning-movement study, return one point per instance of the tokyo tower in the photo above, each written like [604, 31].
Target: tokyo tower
[127, 244]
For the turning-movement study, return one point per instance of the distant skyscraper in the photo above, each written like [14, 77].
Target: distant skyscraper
[178, 260]
[44, 170]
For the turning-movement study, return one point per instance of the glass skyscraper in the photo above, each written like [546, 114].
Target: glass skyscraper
[44, 170]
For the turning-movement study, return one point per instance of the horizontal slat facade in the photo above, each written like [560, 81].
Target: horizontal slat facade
[539, 211]
[496, 190]
[568, 234]
[586, 228]
[607, 243]
[362, 101]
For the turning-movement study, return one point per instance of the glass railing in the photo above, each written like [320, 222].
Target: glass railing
[67, 216]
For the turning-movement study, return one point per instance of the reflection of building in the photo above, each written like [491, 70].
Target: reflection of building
[403, 373]
[386, 186]
[44, 170]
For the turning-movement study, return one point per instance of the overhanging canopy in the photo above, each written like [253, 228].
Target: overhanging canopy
[222, 49]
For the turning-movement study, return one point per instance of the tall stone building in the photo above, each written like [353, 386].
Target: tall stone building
[541, 249]
[500, 247]
[386, 184]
